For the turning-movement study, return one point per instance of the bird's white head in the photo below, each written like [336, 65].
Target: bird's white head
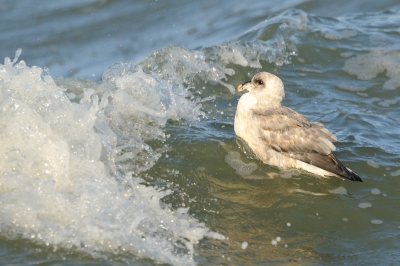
[265, 83]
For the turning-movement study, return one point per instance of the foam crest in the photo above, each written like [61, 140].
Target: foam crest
[63, 179]
[378, 60]
[274, 40]
[139, 107]
[181, 66]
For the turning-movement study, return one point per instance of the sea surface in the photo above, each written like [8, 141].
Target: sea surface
[117, 144]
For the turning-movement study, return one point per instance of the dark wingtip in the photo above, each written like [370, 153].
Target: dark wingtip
[347, 173]
[353, 176]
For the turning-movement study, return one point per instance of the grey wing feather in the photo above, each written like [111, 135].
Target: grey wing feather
[288, 131]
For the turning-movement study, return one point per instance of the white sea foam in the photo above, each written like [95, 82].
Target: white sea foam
[339, 191]
[340, 34]
[72, 149]
[346, 87]
[364, 205]
[346, 54]
[65, 178]
[373, 164]
[302, 191]
[395, 173]
[273, 45]
[361, 94]
[375, 191]
[387, 103]
[368, 66]
[182, 66]
[186, 66]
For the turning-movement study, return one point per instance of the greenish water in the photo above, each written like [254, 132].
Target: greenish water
[142, 166]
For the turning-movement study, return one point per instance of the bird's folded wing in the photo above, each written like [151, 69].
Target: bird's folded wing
[327, 162]
[299, 138]
[288, 131]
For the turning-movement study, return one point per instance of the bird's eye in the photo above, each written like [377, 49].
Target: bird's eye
[259, 82]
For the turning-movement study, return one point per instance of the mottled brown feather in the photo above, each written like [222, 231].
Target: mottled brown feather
[280, 135]
[289, 132]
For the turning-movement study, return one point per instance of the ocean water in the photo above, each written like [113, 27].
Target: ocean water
[117, 144]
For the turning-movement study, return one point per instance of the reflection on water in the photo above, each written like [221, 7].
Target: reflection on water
[254, 211]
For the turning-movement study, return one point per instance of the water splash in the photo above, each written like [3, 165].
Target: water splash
[63, 182]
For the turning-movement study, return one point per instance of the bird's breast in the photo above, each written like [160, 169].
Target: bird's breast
[243, 125]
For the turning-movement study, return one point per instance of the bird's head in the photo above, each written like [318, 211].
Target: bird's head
[265, 83]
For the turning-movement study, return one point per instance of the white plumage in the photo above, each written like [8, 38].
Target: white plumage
[282, 137]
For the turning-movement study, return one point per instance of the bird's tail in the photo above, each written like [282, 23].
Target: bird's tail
[353, 176]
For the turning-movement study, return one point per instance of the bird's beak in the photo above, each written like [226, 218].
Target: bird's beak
[241, 87]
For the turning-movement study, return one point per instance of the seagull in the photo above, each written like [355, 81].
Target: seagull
[282, 137]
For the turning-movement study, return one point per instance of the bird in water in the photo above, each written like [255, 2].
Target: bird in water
[282, 137]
